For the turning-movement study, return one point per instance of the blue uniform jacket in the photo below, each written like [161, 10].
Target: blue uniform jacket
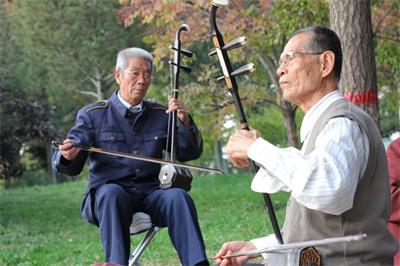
[109, 125]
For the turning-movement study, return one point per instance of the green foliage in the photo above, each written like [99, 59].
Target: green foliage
[284, 18]
[68, 47]
[42, 225]
[35, 178]
[23, 119]
[389, 109]
[269, 122]
[385, 15]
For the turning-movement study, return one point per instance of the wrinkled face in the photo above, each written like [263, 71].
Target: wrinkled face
[299, 71]
[134, 80]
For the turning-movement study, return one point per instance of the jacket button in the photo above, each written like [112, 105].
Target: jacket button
[135, 152]
[156, 137]
[137, 170]
[112, 138]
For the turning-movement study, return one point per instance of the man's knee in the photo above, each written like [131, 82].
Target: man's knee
[102, 199]
[110, 192]
[177, 196]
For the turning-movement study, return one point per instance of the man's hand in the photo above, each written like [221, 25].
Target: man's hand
[68, 151]
[238, 145]
[175, 105]
[233, 248]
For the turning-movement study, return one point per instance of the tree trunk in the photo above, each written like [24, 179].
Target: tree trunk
[351, 20]
[97, 83]
[49, 153]
[288, 110]
[219, 156]
[289, 115]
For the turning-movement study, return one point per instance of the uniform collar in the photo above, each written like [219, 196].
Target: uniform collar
[121, 105]
[316, 111]
[117, 104]
[128, 105]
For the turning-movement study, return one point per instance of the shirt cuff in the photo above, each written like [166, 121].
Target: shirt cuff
[265, 242]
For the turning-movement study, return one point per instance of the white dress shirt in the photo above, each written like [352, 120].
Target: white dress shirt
[325, 179]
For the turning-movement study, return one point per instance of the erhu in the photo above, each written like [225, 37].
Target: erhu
[170, 175]
[229, 75]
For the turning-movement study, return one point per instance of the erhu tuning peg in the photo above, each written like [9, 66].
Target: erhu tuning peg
[184, 68]
[220, 2]
[238, 42]
[183, 51]
[212, 53]
[244, 70]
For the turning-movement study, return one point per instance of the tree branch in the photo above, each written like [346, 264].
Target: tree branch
[268, 64]
[378, 26]
[91, 93]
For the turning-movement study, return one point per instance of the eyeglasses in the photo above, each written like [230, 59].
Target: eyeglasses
[286, 58]
[134, 74]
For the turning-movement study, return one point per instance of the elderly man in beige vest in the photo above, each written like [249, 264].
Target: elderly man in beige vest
[338, 181]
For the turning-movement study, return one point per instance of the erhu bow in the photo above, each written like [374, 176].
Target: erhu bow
[221, 50]
[171, 176]
[56, 143]
[293, 246]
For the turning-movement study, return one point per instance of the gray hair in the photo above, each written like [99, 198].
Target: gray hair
[324, 39]
[125, 54]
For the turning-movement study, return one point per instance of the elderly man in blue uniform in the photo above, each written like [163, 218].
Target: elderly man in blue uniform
[119, 187]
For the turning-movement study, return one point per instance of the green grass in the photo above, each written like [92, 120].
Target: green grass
[42, 225]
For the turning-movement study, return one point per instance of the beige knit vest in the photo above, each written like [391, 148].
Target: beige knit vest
[370, 209]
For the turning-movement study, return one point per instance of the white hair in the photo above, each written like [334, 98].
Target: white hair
[125, 54]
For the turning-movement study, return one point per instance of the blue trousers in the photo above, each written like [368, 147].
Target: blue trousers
[114, 206]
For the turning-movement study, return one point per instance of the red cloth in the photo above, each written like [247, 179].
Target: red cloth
[393, 158]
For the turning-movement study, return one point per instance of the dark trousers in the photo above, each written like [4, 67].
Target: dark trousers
[172, 208]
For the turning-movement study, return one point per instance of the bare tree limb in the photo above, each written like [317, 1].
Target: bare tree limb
[379, 24]
[91, 93]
